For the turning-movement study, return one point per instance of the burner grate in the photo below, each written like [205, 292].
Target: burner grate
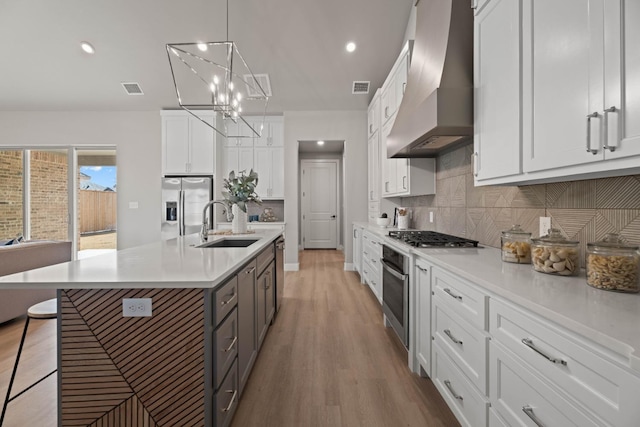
[428, 239]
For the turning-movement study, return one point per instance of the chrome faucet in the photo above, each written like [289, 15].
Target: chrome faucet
[205, 226]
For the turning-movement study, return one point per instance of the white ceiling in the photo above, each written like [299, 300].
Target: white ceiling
[299, 43]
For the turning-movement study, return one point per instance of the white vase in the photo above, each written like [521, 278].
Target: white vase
[239, 222]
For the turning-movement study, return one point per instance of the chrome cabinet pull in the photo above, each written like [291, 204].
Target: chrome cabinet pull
[355, 234]
[475, 164]
[386, 112]
[233, 398]
[223, 303]
[529, 343]
[228, 349]
[250, 270]
[456, 395]
[370, 128]
[404, 182]
[589, 117]
[404, 86]
[424, 270]
[529, 411]
[458, 297]
[605, 124]
[451, 337]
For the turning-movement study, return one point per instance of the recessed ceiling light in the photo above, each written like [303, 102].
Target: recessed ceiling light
[351, 46]
[202, 46]
[87, 47]
[320, 142]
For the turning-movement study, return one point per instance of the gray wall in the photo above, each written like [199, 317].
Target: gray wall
[137, 138]
[348, 126]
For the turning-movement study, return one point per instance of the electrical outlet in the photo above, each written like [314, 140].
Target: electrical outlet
[136, 307]
[545, 225]
[431, 216]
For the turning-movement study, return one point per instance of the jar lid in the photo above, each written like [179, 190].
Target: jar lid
[516, 231]
[612, 241]
[554, 237]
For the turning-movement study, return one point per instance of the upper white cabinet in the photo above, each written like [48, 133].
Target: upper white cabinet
[373, 151]
[498, 97]
[580, 110]
[187, 144]
[263, 154]
[373, 118]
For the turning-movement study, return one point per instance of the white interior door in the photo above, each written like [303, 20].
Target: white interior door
[320, 204]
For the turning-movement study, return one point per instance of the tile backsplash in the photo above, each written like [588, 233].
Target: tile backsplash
[582, 210]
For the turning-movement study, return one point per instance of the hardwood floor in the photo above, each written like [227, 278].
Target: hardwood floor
[326, 361]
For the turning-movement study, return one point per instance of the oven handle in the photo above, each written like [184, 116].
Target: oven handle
[392, 270]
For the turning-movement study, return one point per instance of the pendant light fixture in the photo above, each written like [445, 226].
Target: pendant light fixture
[213, 76]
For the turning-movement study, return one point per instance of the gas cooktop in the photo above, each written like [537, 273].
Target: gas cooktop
[432, 239]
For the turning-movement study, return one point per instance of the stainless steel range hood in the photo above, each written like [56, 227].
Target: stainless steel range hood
[436, 111]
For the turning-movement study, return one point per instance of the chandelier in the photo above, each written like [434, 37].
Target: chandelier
[213, 76]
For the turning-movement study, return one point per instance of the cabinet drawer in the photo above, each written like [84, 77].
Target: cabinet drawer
[469, 406]
[225, 339]
[225, 401]
[569, 362]
[521, 398]
[225, 298]
[466, 345]
[465, 298]
[495, 420]
[265, 257]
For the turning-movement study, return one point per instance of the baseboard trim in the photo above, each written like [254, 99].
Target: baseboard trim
[348, 266]
[292, 266]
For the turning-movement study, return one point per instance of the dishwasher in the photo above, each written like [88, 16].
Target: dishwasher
[279, 272]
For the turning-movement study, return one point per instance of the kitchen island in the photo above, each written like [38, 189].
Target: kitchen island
[183, 365]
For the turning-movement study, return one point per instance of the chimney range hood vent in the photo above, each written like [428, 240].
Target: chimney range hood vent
[436, 112]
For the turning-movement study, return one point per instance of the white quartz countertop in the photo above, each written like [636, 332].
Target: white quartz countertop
[173, 263]
[610, 319]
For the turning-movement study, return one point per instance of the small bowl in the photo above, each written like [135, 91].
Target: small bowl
[383, 222]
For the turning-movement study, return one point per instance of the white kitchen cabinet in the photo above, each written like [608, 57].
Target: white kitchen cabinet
[272, 132]
[357, 249]
[498, 96]
[187, 144]
[371, 269]
[269, 164]
[373, 114]
[422, 286]
[373, 160]
[237, 159]
[393, 87]
[400, 78]
[238, 134]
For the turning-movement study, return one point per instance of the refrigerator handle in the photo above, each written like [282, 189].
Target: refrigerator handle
[181, 213]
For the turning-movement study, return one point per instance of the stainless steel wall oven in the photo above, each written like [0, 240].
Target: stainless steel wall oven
[395, 291]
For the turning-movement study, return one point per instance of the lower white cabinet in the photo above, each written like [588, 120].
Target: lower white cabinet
[468, 405]
[371, 268]
[522, 398]
[357, 249]
[422, 286]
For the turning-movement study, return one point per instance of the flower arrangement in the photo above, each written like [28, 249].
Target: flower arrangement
[240, 189]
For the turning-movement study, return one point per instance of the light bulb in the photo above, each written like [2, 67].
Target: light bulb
[238, 96]
[235, 102]
[202, 47]
[212, 86]
[231, 86]
[239, 109]
[235, 114]
[221, 98]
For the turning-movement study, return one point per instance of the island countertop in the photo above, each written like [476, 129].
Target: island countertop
[172, 263]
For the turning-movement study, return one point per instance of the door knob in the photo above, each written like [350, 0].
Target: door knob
[333, 217]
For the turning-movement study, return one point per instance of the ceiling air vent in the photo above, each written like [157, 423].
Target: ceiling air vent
[360, 88]
[132, 88]
[255, 82]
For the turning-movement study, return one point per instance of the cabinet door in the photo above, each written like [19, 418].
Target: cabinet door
[373, 117]
[176, 144]
[400, 79]
[373, 155]
[270, 295]
[388, 99]
[261, 315]
[247, 338]
[276, 133]
[402, 175]
[622, 71]
[423, 314]
[497, 139]
[262, 165]
[277, 172]
[201, 148]
[357, 240]
[388, 165]
[563, 73]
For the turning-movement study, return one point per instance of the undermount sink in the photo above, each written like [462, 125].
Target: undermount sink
[228, 243]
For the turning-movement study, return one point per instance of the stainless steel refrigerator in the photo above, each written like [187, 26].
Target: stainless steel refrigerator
[183, 199]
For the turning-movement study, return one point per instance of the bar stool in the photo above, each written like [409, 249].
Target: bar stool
[43, 310]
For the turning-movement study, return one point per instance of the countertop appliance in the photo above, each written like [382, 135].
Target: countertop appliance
[432, 239]
[183, 199]
[279, 272]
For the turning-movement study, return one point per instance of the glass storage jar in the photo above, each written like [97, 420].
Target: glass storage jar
[554, 254]
[516, 245]
[613, 264]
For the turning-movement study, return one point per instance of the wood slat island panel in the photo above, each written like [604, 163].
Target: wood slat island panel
[132, 371]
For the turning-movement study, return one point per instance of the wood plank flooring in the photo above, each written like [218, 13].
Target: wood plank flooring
[326, 361]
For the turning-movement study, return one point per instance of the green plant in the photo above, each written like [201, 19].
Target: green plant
[240, 189]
